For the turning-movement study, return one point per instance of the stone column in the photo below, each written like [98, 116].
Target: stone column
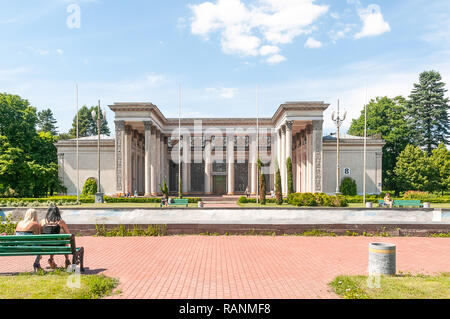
[147, 160]
[158, 160]
[162, 160]
[253, 165]
[309, 187]
[298, 158]
[283, 160]
[128, 172]
[288, 148]
[230, 164]
[153, 167]
[303, 163]
[167, 158]
[208, 167]
[317, 141]
[185, 162]
[135, 187]
[120, 128]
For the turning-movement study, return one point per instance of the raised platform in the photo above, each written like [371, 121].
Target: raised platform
[394, 222]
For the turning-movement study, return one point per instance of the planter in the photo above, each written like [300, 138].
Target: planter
[200, 205]
[426, 205]
[369, 205]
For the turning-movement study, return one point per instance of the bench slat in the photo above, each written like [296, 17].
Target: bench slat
[34, 253]
[18, 249]
[36, 243]
[36, 237]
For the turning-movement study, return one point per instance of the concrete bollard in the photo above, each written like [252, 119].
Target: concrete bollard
[382, 259]
[200, 205]
[426, 205]
[369, 205]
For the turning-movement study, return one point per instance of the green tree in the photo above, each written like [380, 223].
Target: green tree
[278, 191]
[290, 177]
[262, 183]
[428, 111]
[46, 122]
[87, 126]
[415, 170]
[388, 118]
[440, 159]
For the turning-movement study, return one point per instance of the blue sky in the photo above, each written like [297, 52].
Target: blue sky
[219, 51]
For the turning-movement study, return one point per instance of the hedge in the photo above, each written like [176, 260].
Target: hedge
[71, 200]
[317, 199]
[245, 200]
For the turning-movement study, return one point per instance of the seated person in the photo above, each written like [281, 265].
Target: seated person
[54, 224]
[30, 226]
[388, 200]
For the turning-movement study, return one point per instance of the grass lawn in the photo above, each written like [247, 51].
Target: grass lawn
[395, 287]
[53, 285]
[438, 205]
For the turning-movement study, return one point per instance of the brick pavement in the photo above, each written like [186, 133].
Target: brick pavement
[240, 266]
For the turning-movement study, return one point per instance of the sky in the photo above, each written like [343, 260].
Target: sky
[219, 52]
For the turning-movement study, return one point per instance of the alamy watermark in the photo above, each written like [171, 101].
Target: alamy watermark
[74, 280]
[74, 19]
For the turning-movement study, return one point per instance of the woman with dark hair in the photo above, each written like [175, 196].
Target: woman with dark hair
[53, 224]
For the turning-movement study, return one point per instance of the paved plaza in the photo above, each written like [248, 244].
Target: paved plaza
[240, 266]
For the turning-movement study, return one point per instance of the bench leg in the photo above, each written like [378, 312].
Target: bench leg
[78, 258]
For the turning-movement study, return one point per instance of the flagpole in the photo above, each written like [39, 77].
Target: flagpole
[78, 152]
[179, 142]
[257, 144]
[365, 149]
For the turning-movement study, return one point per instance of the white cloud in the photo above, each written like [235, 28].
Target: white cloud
[225, 93]
[312, 43]
[60, 52]
[269, 49]
[257, 29]
[275, 59]
[373, 22]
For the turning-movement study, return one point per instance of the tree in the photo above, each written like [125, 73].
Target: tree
[440, 159]
[428, 111]
[389, 118]
[290, 177]
[28, 159]
[278, 191]
[86, 124]
[348, 187]
[46, 122]
[415, 170]
[262, 183]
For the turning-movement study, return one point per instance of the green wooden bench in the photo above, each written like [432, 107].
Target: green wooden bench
[34, 245]
[402, 203]
[179, 202]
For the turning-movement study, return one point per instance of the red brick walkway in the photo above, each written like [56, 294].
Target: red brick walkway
[240, 267]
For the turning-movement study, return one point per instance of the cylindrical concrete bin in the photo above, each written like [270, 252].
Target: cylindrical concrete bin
[382, 259]
[200, 204]
[369, 205]
[426, 205]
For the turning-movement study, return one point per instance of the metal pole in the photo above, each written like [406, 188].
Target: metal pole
[78, 152]
[365, 152]
[337, 155]
[179, 144]
[257, 144]
[98, 154]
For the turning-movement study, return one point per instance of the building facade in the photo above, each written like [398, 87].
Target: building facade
[218, 155]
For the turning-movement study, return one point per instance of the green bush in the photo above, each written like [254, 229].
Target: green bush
[242, 200]
[7, 226]
[191, 200]
[348, 187]
[419, 195]
[90, 187]
[318, 199]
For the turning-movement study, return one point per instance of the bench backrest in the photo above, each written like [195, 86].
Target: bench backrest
[407, 202]
[180, 201]
[2, 216]
[37, 245]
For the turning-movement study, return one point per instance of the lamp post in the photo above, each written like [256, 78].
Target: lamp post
[96, 117]
[338, 122]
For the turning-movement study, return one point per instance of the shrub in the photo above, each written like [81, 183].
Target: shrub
[90, 187]
[242, 200]
[290, 178]
[278, 190]
[348, 187]
[262, 183]
[7, 226]
[318, 199]
[418, 195]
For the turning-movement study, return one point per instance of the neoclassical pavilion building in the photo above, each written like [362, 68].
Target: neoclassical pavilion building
[218, 155]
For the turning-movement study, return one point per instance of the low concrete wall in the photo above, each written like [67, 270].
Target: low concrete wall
[254, 216]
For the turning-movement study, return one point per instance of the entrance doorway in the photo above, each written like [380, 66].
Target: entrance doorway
[219, 184]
